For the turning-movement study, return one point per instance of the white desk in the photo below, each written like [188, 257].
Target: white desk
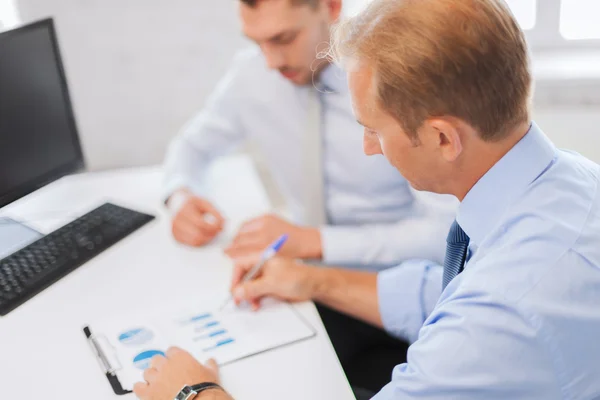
[43, 351]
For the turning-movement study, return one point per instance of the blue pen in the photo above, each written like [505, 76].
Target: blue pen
[269, 253]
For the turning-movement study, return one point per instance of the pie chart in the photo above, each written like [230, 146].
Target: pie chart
[136, 337]
[142, 360]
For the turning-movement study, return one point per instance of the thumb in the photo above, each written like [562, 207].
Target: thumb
[204, 206]
[212, 365]
[214, 368]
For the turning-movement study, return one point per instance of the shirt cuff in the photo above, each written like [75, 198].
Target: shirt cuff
[177, 182]
[176, 201]
[345, 247]
[407, 295]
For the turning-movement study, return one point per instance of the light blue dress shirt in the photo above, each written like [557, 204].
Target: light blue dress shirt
[374, 216]
[523, 319]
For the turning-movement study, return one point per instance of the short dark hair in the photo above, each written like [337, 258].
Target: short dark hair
[312, 3]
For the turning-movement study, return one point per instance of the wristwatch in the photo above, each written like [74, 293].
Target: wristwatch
[189, 392]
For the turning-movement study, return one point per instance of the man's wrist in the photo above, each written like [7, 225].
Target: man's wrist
[213, 394]
[311, 244]
[322, 280]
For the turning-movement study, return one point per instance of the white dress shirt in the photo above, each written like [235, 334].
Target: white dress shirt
[374, 217]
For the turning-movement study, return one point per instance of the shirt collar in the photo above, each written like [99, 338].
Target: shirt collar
[483, 206]
[333, 79]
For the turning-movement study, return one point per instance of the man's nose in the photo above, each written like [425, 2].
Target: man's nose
[274, 57]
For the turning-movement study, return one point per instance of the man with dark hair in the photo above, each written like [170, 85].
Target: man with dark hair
[345, 209]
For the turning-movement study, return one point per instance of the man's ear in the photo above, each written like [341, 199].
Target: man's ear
[334, 9]
[443, 134]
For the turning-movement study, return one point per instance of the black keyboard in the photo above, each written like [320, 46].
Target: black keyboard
[37, 266]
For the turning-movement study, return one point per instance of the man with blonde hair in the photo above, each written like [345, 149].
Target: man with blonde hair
[443, 88]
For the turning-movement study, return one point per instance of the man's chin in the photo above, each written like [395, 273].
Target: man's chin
[417, 186]
[298, 79]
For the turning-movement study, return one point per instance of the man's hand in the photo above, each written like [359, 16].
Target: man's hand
[167, 375]
[255, 235]
[197, 222]
[281, 278]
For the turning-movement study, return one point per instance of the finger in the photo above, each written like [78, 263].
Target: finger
[211, 219]
[252, 291]
[238, 275]
[214, 367]
[200, 221]
[206, 206]
[150, 374]
[253, 225]
[244, 237]
[158, 362]
[140, 389]
[189, 229]
[242, 266]
[245, 248]
[185, 225]
[174, 352]
[248, 260]
[190, 237]
[255, 305]
[249, 241]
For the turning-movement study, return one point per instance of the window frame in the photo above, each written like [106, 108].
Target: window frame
[546, 35]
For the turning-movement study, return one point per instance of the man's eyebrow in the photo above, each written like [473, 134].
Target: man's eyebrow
[273, 38]
[281, 35]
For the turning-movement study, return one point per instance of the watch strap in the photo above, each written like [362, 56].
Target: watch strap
[199, 388]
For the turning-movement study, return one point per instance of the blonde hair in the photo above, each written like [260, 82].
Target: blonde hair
[462, 58]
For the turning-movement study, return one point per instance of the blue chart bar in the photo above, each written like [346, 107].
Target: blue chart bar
[219, 344]
[195, 319]
[200, 317]
[204, 327]
[211, 335]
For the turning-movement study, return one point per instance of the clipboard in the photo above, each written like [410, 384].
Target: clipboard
[104, 351]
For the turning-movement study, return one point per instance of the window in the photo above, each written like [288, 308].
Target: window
[525, 11]
[578, 19]
[549, 24]
[353, 7]
[563, 24]
[9, 16]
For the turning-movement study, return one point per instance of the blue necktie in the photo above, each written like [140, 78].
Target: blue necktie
[456, 253]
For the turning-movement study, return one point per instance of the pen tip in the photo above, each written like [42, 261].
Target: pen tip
[280, 242]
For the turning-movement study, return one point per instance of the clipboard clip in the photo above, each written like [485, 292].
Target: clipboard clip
[105, 363]
[108, 367]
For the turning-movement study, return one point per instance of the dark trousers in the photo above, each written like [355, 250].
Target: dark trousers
[363, 394]
[367, 354]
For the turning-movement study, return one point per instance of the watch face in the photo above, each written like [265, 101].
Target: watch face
[185, 393]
